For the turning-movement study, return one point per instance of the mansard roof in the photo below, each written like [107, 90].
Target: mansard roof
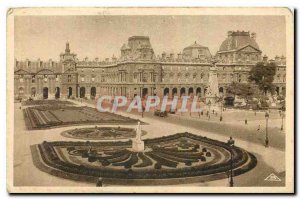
[237, 40]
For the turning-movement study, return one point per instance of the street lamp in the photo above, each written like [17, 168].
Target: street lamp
[282, 117]
[267, 137]
[230, 142]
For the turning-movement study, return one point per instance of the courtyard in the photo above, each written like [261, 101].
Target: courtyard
[246, 137]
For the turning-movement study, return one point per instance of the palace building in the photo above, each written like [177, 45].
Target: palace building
[139, 71]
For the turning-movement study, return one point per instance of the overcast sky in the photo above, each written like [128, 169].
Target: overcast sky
[44, 37]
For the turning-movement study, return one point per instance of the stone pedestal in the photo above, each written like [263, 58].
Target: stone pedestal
[138, 145]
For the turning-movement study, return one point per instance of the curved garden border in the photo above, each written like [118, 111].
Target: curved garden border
[46, 159]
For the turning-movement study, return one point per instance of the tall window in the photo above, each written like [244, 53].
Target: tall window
[69, 78]
[33, 79]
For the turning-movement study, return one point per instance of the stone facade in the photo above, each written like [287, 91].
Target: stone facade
[138, 71]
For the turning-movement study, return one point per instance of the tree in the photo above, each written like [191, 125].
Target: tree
[262, 74]
[246, 91]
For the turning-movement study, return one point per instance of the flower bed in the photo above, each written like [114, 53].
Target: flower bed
[101, 133]
[43, 117]
[117, 161]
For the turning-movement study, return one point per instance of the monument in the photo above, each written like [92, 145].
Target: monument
[212, 94]
[137, 143]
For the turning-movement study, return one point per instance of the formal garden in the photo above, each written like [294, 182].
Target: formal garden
[175, 157]
[46, 102]
[43, 117]
[101, 133]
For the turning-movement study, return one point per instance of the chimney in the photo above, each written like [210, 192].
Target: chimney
[28, 62]
[86, 59]
[277, 59]
[96, 59]
[67, 48]
[253, 35]
[163, 55]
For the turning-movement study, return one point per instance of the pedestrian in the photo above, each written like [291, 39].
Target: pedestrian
[99, 182]
[258, 128]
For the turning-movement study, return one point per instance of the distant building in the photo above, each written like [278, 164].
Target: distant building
[138, 71]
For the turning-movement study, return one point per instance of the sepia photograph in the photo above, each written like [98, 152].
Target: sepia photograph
[150, 100]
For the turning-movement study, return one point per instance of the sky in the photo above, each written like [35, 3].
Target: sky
[44, 37]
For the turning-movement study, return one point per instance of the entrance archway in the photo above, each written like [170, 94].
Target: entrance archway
[174, 91]
[198, 92]
[182, 91]
[277, 90]
[93, 92]
[82, 92]
[33, 92]
[57, 92]
[134, 93]
[69, 92]
[191, 91]
[45, 92]
[144, 92]
[166, 91]
[221, 92]
[229, 101]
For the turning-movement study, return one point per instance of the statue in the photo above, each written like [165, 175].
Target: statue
[137, 143]
[138, 131]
